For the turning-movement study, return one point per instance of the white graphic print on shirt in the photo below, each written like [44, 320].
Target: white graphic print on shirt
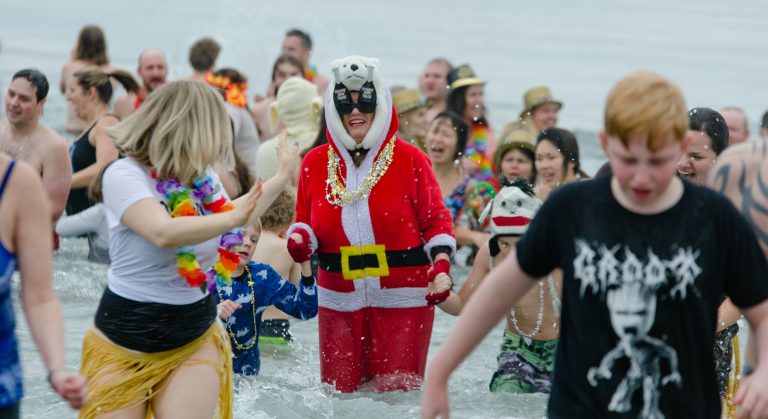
[629, 287]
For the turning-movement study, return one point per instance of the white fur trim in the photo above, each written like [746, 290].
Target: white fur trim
[371, 295]
[440, 240]
[308, 229]
[381, 121]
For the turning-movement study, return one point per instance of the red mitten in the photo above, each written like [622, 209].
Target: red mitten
[441, 266]
[300, 252]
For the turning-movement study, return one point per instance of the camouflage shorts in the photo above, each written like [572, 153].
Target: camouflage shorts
[525, 365]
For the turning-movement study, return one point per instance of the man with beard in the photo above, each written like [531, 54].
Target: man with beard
[23, 137]
[153, 71]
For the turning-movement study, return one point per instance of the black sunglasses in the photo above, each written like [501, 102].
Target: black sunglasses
[366, 101]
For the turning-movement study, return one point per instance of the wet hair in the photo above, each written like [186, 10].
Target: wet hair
[285, 58]
[100, 80]
[203, 54]
[280, 214]
[565, 142]
[646, 105]
[457, 102]
[91, 46]
[459, 126]
[764, 121]
[713, 124]
[37, 79]
[306, 40]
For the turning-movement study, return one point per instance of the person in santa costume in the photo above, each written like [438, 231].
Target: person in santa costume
[370, 206]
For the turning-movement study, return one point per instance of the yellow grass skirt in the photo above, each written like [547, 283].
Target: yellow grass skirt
[133, 376]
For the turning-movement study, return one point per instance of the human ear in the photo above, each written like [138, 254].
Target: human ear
[603, 140]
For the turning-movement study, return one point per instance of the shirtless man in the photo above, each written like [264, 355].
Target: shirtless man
[25, 138]
[434, 86]
[298, 44]
[739, 173]
[153, 71]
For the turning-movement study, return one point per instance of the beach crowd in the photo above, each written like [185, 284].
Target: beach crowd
[333, 195]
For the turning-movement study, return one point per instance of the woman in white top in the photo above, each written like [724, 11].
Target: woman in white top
[155, 346]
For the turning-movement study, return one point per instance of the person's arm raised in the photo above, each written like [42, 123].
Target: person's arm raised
[288, 154]
[149, 219]
[501, 289]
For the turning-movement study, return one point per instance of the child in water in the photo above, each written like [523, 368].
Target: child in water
[256, 286]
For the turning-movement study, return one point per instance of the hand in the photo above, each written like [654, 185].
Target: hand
[596, 373]
[299, 245]
[244, 207]
[227, 308]
[441, 283]
[71, 387]
[434, 402]
[752, 398]
[288, 157]
[441, 266]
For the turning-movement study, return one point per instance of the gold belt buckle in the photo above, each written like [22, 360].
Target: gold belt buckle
[366, 249]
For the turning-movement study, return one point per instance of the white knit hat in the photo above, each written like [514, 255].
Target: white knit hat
[511, 212]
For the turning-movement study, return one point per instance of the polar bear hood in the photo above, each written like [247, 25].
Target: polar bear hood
[352, 72]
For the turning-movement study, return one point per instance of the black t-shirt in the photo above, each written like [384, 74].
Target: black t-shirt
[640, 298]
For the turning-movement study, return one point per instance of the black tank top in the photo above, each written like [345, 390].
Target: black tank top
[83, 154]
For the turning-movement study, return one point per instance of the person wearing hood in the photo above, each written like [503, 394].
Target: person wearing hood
[376, 283]
[298, 107]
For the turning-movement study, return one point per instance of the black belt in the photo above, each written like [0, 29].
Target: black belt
[415, 256]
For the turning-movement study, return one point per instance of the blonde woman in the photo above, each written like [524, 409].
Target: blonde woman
[155, 347]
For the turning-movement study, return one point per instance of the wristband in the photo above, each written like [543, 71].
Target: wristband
[308, 281]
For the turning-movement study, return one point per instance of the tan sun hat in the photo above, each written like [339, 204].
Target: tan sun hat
[461, 76]
[406, 100]
[536, 96]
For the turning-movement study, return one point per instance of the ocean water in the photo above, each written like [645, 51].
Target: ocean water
[714, 50]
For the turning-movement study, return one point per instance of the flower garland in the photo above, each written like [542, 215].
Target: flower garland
[477, 151]
[234, 93]
[336, 192]
[181, 201]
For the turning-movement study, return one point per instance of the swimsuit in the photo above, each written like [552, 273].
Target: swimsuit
[11, 389]
[525, 365]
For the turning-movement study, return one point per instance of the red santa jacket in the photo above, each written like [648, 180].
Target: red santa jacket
[374, 251]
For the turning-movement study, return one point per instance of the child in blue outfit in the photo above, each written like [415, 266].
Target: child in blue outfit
[256, 286]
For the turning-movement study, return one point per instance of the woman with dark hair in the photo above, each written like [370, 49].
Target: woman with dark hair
[91, 50]
[709, 137]
[464, 196]
[514, 157]
[557, 161]
[89, 95]
[284, 68]
[466, 99]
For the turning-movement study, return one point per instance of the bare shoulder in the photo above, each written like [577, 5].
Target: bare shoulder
[51, 140]
[739, 167]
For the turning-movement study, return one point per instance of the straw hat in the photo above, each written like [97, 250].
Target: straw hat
[461, 76]
[536, 96]
[406, 100]
[525, 146]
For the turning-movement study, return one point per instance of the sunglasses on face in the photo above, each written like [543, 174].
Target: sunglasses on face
[366, 100]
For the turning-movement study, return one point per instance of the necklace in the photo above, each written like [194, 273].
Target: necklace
[4, 147]
[539, 315]
[239, 345]
[336, 192]
[180, 200]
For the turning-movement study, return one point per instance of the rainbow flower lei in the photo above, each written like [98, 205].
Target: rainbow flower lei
[182, 201]
[477, 151]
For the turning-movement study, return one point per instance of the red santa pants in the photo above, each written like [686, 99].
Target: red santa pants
[383, 347]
